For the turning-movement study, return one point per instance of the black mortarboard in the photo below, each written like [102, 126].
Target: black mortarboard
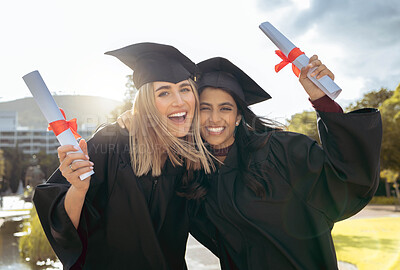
[153, 62]
[219, 72]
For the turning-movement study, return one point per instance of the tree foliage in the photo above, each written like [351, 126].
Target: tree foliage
[16, 163]
[34, 244]
[3, 183]
[388, 102]
[390, 176]
[305, 123]
[373, 99]
[48, 163]
[390, 111]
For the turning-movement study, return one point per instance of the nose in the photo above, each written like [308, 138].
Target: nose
[214, 117]
[178, 99]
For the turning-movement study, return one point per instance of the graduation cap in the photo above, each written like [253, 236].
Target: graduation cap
[219, 72]
[153, 62]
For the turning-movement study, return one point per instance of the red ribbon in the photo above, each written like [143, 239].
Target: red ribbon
[60, 126]
[296, 52]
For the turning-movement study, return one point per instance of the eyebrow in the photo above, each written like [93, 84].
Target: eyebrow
[185, 84]
[167, 87]
[163, 87]
[221, 104]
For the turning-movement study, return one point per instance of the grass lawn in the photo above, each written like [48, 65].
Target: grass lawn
[370, 244]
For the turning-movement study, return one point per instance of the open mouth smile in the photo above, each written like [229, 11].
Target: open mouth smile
[215, 130]
[178, 117]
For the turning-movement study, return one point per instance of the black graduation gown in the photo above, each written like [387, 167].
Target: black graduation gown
[121, 227]
[308, 187]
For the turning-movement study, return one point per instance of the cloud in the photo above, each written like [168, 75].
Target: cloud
[374, 23]
[273, 4]
[367, 31]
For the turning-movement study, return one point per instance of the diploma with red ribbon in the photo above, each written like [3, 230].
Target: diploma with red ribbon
[289, 53]
[65, 131]
[60, 126]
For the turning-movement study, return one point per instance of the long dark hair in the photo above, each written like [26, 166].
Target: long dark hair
[251, 134]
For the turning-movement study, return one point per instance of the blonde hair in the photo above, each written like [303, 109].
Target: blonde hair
[150, 141]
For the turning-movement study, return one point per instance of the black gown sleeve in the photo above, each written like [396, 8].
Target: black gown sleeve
[339, 178]
[201, 228]
[68, 243]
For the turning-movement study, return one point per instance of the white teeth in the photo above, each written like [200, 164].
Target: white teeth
[219, 129]
[177, 114]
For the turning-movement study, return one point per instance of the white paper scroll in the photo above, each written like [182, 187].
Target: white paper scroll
[329, 87]
[49, 108]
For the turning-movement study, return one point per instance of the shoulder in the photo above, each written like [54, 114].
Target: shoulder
[288, 138]
[291, 144]
[109, 139]
[109, 133]
[281, 144]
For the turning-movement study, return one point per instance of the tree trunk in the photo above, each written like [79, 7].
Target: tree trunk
[387, 188]
[396, 188]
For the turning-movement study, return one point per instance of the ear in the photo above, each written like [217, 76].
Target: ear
[238, 118]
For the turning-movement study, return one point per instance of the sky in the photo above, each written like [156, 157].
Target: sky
[359, 40]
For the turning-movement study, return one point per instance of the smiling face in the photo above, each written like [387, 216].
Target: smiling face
[218, 117]
[176, 104]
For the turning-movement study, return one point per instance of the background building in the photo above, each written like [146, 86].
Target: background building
[30, 141]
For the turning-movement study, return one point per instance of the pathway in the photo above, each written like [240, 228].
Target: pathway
[197, 257]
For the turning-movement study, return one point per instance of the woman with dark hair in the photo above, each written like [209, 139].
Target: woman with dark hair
[128, 215]
[276, 195]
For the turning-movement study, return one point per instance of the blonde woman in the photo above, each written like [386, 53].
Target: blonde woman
[128, 215]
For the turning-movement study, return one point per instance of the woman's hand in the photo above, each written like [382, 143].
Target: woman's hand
[124, 120]
[75, 164]
[71, 166]
[312, 90]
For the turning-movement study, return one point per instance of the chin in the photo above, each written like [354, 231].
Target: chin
[213, 143]
[180, 133]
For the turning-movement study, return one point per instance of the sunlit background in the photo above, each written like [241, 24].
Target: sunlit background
[66, 40]
[358, 40]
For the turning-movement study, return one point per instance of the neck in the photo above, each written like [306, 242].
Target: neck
[221, 158]
[220, 152]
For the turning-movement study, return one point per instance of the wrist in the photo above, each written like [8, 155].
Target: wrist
[316, 96]
[80, 192]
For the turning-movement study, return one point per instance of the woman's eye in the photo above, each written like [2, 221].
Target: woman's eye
[186, 90]
[226, 109]
[162, 94]
[204, 108]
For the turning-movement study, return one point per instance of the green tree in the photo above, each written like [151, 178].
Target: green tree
[34, 244]
[130, 93]
[48, 163]
[2, 164]
[16, 163]
[2, 171]
[390, 111]
[373, 99]
[305, 123]
[392, 177]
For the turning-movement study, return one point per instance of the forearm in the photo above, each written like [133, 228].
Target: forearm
[73, 203]
[317, 94]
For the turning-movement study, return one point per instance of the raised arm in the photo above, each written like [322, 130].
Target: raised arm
[71, 166]
[321, 70]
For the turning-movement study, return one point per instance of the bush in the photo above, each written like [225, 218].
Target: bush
[34, 246]
[383, 200]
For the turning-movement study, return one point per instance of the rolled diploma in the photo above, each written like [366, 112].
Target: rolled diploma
[326, 84]
[49, 108]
